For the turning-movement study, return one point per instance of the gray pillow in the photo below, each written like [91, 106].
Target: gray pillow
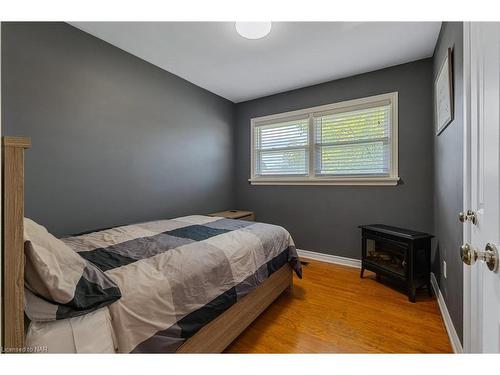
[59, 282]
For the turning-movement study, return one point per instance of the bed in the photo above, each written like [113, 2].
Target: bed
[187, 285]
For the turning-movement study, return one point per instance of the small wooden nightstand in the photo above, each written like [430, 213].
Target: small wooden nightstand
[235, 214]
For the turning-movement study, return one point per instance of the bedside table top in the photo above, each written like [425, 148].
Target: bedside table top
[232, 214]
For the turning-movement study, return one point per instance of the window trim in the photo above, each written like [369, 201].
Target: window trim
[312, 179]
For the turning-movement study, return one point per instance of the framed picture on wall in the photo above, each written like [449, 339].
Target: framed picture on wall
[443, 94]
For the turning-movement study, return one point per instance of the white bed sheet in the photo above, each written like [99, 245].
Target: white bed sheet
[90, 333]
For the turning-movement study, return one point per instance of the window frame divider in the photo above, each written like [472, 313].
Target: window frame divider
[312, 148]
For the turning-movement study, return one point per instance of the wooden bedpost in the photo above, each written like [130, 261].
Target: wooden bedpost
[12, 242]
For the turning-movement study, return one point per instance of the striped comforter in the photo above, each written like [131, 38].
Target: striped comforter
[177, 275]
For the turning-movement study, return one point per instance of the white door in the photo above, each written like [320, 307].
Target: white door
[482, 187]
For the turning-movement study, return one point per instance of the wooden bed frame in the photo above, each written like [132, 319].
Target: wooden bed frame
[212, 338]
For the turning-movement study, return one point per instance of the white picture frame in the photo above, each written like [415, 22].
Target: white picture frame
[443, 94]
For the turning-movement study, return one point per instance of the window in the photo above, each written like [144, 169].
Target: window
[347, 143]
[282, 148]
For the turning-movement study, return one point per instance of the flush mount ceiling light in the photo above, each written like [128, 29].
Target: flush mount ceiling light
[253, 30]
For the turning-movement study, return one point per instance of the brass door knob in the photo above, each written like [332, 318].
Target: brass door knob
[468, 254]
[490, 256]
[467, 216]
[471, 216]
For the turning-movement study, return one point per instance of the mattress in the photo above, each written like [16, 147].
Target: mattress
[175, 276]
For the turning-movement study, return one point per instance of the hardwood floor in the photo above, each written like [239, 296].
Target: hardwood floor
[332, 310]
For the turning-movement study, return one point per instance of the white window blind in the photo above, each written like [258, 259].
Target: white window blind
[282, 148]
[348, 143]
[353, 142]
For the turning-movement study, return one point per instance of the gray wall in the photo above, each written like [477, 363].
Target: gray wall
[115, 139]
[326, 218]
[448, 181]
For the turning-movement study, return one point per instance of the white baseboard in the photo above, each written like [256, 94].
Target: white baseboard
[450, 328]
[349, 262]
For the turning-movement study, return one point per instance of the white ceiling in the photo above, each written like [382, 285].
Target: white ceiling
[295, 54]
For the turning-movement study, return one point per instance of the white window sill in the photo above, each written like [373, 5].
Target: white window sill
[345, 181]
